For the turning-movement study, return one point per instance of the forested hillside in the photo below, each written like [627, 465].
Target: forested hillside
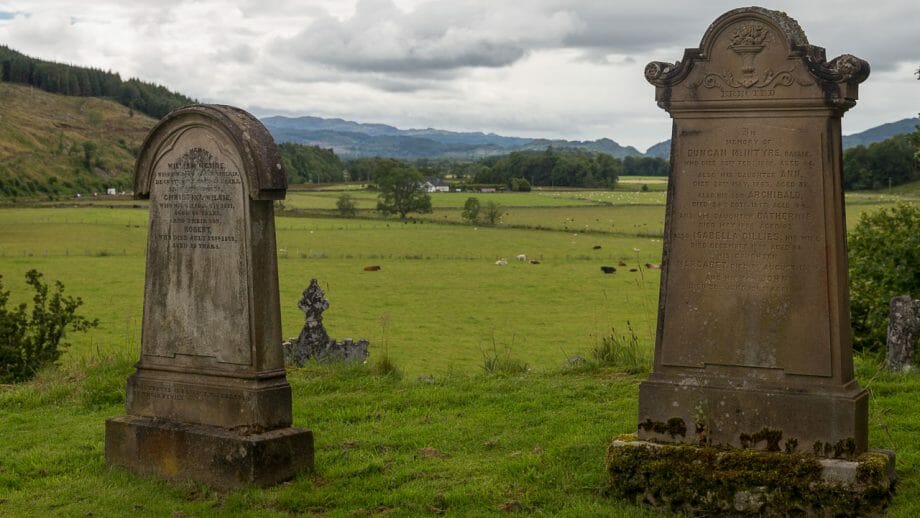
[148, 98]
[54, 145]
[311, 164]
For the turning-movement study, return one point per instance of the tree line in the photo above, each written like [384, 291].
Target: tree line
[311, 164]
[882, 164]
[147, 98]
[558, 167]
[888, 163]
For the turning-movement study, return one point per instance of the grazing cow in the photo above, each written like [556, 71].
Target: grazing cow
[522, 258]
[597, 247]
[372, 268]
[621, 263]
[653, 266]
[534, 261]
[608, 269]
[502, 262]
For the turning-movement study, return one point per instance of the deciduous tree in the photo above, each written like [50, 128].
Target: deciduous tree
[401, 190]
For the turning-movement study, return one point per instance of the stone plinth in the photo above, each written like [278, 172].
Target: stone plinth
[214, 455]
[753, 324]
[211, 379]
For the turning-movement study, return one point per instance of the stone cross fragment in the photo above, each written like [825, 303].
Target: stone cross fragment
[314, 341]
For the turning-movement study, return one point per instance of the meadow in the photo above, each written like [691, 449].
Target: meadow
[444, 434]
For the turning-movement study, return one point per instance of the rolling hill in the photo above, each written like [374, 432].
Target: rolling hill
[353, 139]
[54, 145]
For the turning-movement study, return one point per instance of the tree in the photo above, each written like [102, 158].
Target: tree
[471, 210]
[520, 184]
[32, 340]
[311, 164]
[492, 213]
[884, 261]
[916, 135]
[89, 152]
[346, 205]
[890, 162]
[400, 190]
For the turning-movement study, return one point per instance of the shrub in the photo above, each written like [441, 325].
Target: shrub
[520, 185]
[30, 341]
[492, 214]
[884, 261]
[471, 209]
[346, 205]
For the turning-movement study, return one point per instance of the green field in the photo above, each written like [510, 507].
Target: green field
[444, 436]
[439, 302]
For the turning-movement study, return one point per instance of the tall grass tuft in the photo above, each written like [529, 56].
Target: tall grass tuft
[623, 352]
[384, 365]
[502, 364]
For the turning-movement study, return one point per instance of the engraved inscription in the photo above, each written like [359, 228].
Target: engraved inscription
[747, 249]
[196, 195]
[183, 393]
[196, 308]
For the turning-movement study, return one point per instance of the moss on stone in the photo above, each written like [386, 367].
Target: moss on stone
[714, 481]
[674, 427]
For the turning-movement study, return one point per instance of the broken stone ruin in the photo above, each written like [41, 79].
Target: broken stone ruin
[313, 341]
[903, 333]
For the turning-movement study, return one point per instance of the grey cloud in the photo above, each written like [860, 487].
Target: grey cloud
[858, 28]
[437, 36]
[241, 53]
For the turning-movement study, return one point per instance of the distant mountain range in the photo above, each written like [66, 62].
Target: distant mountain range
[863, 138]
[354, 139]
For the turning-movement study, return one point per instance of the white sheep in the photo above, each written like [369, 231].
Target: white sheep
[502, 262]
[522, 258]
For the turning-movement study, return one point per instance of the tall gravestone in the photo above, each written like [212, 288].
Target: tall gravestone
[210, 399]
[753, 346]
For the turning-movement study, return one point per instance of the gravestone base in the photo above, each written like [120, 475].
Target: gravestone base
[740, 482]
[213, 455]
[246, 404]
[822, 420]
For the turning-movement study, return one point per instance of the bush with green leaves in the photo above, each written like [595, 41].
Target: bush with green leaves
[30, 340]
[884, 260]
[471, 210]
[492, 213]
[346, 205]
[519, 185]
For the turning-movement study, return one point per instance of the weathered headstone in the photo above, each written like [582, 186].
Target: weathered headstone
[903, 333]
[314, 342]
[210, 399]
[752, 407]
[753, 346]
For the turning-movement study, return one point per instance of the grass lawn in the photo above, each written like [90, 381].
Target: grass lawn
[443, 435]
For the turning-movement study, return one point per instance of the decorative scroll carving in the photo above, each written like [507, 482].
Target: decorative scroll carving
[660, 73]
[766, 80]
[848, 68]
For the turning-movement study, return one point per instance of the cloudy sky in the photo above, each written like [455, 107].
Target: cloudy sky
[534, 68]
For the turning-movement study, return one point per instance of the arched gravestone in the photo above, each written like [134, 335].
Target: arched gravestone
[210, 400]
[753, 324]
